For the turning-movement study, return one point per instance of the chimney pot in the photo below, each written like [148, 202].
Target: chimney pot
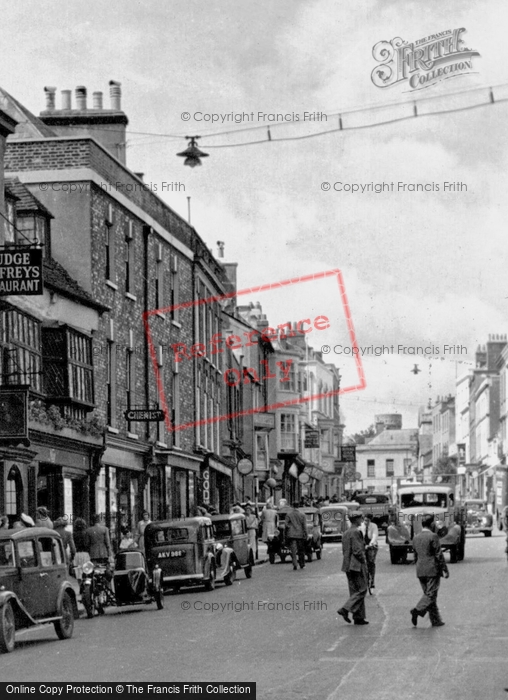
[66, 99]
[115, 93]
[50, 97]
[220, 245]
[81, 97]
[97, 100]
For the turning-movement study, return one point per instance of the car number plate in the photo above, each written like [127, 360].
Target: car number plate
[171, 555]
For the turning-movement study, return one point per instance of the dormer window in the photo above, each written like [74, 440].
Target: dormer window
[33, 228]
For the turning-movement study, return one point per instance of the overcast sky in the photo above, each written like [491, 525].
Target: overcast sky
[420, 269]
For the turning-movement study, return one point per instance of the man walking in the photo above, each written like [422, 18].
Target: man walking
[370, 533]
[354, 564]
[430, 566]
[296, 535]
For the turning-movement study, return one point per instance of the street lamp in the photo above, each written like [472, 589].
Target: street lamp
[192, 154]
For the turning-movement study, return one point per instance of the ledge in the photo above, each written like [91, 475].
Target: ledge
[112, 285]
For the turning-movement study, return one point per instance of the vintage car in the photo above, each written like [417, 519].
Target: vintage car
[335, 521]
[188, 554]
[314, 532]
[378, 505]
[413, 502]
[478, 519]
[35, 587]
[231, 531]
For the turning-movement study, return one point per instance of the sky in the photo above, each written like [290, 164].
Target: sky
[421, 269]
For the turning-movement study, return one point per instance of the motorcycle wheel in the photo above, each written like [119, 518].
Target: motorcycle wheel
[86, 599]
[159, 599]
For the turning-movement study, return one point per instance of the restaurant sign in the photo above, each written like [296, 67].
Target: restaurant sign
[20, 271]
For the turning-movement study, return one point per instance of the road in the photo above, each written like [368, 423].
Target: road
[281, 630]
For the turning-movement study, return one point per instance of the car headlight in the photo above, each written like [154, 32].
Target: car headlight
[88, 567]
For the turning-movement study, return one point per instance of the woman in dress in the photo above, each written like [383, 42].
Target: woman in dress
[141, 529]
[252, 529]
[81, 555]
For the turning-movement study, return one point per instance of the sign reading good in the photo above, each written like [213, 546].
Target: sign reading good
[20, 271]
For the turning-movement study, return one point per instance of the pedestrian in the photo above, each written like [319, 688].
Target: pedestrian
[127, 541]
[60, 526]
[42, 518]
[97, 542]
[81, 556]
[354, 564]
[270, 532]
[296, 535]
[145, 520]
[430, 567]
[370, 533]
[24, 520]
[252, 524]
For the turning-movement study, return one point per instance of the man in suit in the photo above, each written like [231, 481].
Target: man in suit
[97, 541]
[354, 564]
[430, 566]
[296, 535]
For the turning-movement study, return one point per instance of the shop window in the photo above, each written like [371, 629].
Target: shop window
[14, 493]
[20, 348]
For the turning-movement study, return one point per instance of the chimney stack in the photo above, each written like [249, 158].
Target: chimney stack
[50, 98]
[115, 94]
[97, 100]
[81, 97]
[66, 99]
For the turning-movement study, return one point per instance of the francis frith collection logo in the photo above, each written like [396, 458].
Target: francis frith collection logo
[424, 62]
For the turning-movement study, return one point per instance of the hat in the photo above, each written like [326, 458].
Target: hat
[43, 511]
[26, 520]
[355, 515]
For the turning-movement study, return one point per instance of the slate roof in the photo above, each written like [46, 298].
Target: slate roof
[28, 124]
[57, 278]
[393, 438]
[26, 201]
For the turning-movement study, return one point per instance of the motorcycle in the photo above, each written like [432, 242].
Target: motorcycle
[125, 583]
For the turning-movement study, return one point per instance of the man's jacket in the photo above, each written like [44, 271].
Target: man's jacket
[353, 550]
[296, 525]
[428, 554]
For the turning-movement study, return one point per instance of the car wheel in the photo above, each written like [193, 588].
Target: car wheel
[230, 577]
[87, 601]
[210, 584]
[487, 533]
[7, 628]
[159, 599]
[65, 626]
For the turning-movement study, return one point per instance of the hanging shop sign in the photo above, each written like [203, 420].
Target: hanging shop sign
[245, 466]
[311, 438]
[20, 271]
[144, 414]
[348, 453]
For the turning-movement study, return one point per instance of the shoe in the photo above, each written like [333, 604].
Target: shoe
[372, 585]
[438, 624]
[344, 613]
[295, 568]
[414, 616]
[302, 566]
[361, 622]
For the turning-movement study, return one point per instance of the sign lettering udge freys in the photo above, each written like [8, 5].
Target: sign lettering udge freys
[21, 271]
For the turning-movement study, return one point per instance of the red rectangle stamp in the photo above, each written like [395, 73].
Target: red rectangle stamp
[319, 301]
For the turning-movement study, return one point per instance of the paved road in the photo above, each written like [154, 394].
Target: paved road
[281, 630]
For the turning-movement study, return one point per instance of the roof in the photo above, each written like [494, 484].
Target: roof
[392, 438]
[22, 532]
[57, 278]
[29, 126]
[26, 201]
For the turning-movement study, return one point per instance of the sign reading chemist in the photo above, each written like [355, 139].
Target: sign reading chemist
[20, 271]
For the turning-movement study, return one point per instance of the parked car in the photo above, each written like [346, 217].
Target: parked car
[335, 521]
[231, 531]
[378, 505]
[478, 519]
[314, 532]
[35, 587]
[188, 554]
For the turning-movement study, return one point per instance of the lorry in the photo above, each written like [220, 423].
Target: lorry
[413, 502]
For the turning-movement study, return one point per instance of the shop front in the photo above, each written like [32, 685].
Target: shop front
[216, 485]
